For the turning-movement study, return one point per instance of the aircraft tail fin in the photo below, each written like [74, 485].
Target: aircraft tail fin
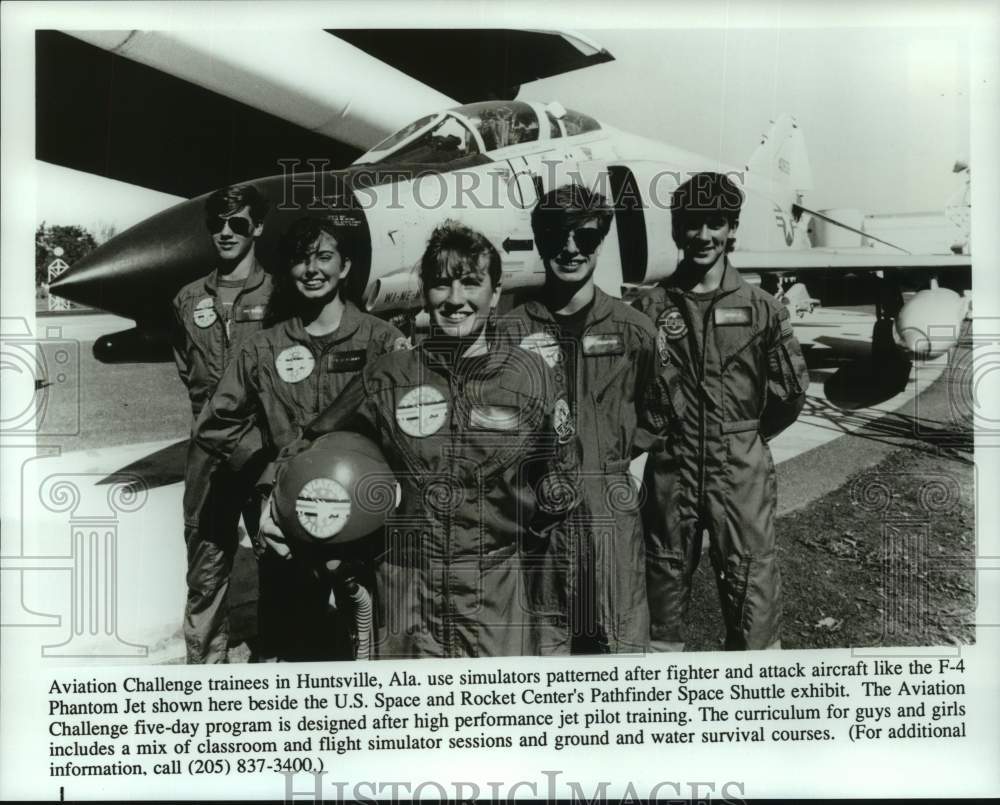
[781, 159]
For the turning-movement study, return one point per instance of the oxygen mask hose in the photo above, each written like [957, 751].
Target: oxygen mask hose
[362, 617]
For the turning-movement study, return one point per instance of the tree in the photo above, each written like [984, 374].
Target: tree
[75, 241]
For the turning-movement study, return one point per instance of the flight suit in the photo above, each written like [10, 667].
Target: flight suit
[617, 416]
[278, 381]
[743, 381]
[206, 336]
[483, 454]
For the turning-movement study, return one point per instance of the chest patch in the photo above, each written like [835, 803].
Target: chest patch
[421, 412]
[250, 313]
[294, 363]
[401, 343]
[323, 507]
[729, 316]
[672, 324]
[562, 421]
[607, 344]
[493, 417]
[545, 345]
[204, 314]
[349, 361]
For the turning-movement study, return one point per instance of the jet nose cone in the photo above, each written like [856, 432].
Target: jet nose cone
[85, 275]
[144, 265]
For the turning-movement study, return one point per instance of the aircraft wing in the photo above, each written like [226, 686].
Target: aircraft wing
[843, 259]
[185, 112]
[495, 61]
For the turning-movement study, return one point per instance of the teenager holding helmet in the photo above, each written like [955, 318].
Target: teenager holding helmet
[470, 426]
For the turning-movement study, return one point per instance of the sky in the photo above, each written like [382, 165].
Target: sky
[884, 111]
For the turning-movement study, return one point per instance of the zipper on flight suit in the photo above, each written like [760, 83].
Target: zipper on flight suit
[703, 394]
[226, 321]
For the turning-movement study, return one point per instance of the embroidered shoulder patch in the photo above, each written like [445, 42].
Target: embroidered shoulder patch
[671, 323]
[786, 323]
[662, 347]
[562, 421]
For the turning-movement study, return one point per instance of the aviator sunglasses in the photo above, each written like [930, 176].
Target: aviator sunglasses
[587, 239]
[237, 225]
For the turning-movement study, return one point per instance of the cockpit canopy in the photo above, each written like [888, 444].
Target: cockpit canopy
[477, 128]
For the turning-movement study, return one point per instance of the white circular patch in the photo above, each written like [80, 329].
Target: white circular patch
[421, 412]
[323, 507]
[294, 364]
[543, 344]
[562, 422]
[204, 314]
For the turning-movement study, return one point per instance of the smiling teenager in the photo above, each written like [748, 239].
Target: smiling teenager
[603, 354]
[278, 381]
[742, 380]
[469, 425]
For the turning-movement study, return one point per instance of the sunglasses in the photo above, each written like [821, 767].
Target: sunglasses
[237, 225]
[587, 239]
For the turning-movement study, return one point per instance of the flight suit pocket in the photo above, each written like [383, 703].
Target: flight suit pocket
[732, 573]
[665, 400]
[609, 377]
[791, 368]
[760, 613]
[493, 558]
[668, 593]
[503, 618]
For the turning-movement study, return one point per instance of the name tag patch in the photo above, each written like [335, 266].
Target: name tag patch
[204, 314]
[725, 316]
[608, 344]
[350, 361]
[294, 363]
[250, 313]
[544, 344]
[421, 412]
[493, 417]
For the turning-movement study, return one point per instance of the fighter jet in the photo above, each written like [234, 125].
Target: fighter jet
[487, 163]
